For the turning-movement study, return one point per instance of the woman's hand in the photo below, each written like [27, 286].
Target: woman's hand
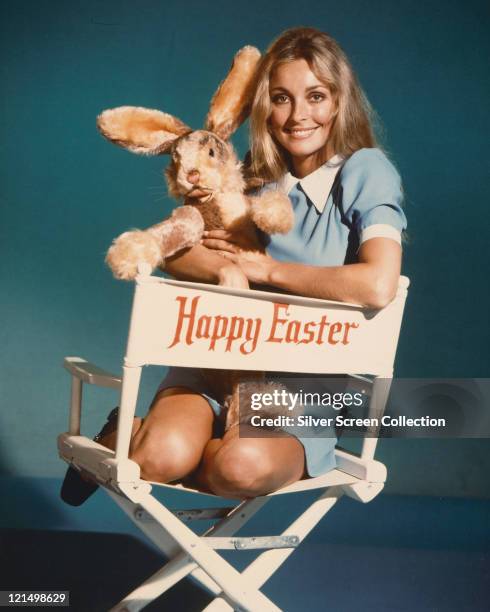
[244, 250]
[231, 275]
[232, 241]
[255, 266]
[201, 265]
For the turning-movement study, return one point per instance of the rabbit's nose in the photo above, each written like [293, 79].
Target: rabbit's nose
[193, 177]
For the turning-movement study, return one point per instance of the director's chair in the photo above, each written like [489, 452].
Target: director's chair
[163, 331]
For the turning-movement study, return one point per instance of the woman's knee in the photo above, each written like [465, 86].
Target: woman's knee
[241, 470]
[163, 456]
[171, 439]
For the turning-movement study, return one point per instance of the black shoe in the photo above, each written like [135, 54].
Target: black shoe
[75, 490]
[109, 425]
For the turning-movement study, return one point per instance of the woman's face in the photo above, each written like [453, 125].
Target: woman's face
[302, 114]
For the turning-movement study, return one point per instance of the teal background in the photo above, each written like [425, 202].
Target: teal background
[65, 192]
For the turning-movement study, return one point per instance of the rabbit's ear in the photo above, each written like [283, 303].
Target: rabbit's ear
[230, 104]
[141, 130]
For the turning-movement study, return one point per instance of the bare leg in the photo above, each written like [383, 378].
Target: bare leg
[169, 442]
[175, 441]
[109, 439]
[237, 467]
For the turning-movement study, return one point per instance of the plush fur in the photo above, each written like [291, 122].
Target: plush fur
[229, 105]
[141, 130]
[154, 245]
[205, 173]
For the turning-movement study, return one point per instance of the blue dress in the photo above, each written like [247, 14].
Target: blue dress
[336, 208]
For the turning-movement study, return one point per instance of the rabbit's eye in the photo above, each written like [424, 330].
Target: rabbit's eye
[211, 152]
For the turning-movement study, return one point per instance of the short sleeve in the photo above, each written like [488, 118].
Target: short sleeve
[371, 201]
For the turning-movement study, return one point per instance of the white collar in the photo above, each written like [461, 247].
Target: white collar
[316, 185]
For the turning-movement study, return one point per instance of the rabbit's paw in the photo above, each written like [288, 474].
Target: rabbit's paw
[272, 212]
[130, 249]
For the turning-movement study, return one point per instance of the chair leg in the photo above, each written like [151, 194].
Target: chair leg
[379, 398]
[267, 563]
[129, 396]
[180, 564]
[158, 583]
[239, 592]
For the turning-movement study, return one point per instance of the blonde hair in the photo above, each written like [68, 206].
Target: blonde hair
[352, 127]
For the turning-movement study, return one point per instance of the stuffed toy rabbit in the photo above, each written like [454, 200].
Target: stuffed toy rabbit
[204, 171]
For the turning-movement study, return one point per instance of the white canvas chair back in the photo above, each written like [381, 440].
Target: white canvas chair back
[195, 325]
[183, 324]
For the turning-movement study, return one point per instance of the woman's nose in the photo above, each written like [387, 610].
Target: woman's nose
[193, 177]
[299, 110]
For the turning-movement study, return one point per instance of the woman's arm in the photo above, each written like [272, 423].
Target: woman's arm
[200, 264]
[371, 282]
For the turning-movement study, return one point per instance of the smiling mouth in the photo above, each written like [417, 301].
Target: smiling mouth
[301, 133]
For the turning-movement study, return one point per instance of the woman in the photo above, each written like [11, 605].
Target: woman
[310, 135]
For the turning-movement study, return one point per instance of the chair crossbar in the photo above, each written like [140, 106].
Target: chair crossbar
[187, 516]
[203, 513]
[180, 564]
[253, 543]
[238, 590]
[268, 562]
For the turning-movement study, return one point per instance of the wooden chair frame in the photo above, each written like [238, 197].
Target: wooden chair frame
[154, 339]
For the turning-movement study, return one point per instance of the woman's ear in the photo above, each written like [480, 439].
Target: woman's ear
[141, 130]
[231, 102]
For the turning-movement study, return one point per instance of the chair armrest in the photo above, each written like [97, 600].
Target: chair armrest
[365, 469]
[91, 374]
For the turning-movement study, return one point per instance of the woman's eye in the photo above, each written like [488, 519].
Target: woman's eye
[280, 99]
[317, 97]
[211, 152]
